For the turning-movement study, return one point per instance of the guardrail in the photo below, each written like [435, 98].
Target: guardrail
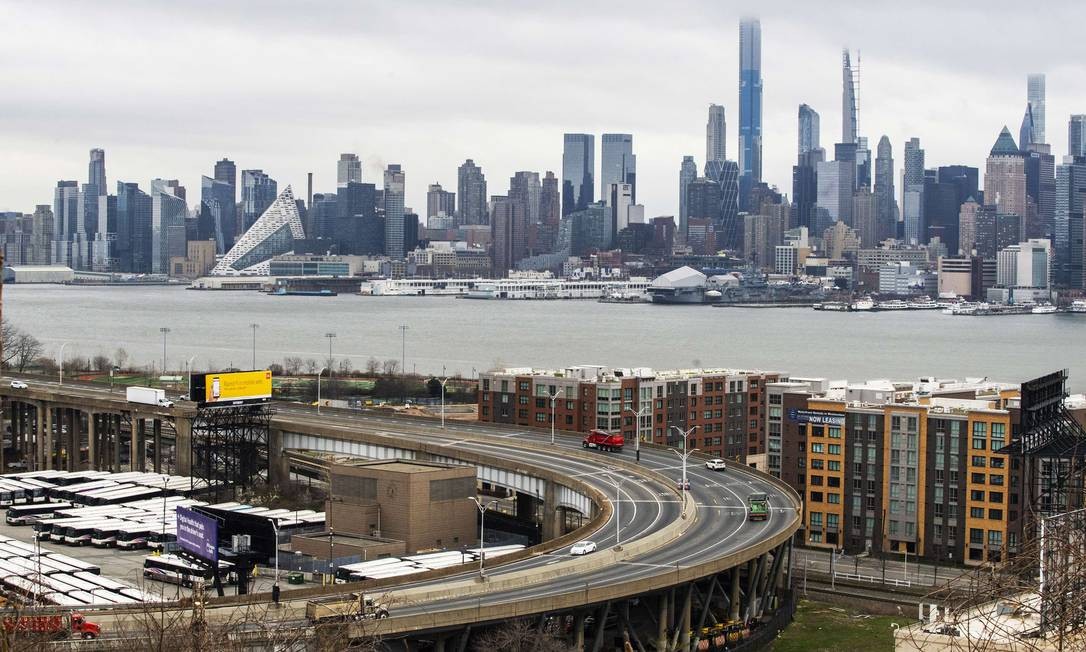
[871, 579]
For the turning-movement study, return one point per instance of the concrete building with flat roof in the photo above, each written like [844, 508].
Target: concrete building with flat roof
[424, 504]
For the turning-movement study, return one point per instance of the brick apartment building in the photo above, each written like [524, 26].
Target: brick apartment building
[726, 407]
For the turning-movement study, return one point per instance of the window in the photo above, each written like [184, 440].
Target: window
[834, 432]
[980, 435]
[995, 496]
[833, 498]
[996, 462]
[976, 512]
[817, 448]
[978, 460]
[817, 464]
[816, 537]
[816, 480]
[995, 479]
[976, 535]
[976, 494]
[816, 496]
[832, 521]
[995, 538]
[523, 400]
[978, 478]
[998, 435]
[816, 519]
[835, 449]
[523, 386]
[540, 417]
[995, 514]
[833, 481]
[833, 465]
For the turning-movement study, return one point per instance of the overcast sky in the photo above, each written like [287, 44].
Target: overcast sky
[167, 88]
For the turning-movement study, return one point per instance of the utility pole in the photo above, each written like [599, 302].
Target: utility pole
[331, 336]
[684, 456]
[403, 349]
[254, 327]
[165, 331]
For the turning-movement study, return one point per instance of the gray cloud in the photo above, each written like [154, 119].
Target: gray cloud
[286, 86]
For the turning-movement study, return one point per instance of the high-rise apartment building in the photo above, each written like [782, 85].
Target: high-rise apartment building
[348, 169]
[750, 102]
[834, 190]
[578, 172]
[258, 191]
[508, 233]
[716, 135]
[41, 243]
[688, 171]
[168, 214]
[471, 188]
[1005, 178]
[394, 211]
[618, 162]
[273, 234]
[439, 201]
[1035, 95]
[805, 188]
[808, 131]
[912, 193]
[66, 202]
[1068, 221]
[217, 219]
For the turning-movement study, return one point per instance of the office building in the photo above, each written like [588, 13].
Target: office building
[716, 135]
[1040, 191]
[1035, 95]
[834, 192]
[96, 171]
[133, 246]
[885, 202]
[1005, 178]
[509, 233]
[550, 213]
[525, 189]
[618, 163]
[729, 228]
[394, 211]
[258, 191]
[704, 200]
[578, 166]
[1068, 221]
[1025, 265]
[941, 209]
[688, 171]
[912, 189]
[1076, 136]
[66, 202]
[169, 212]
[471, 189]
[348, 170]
[620, 203]
[42, 227]
[273, 234]
[355, 218]
[805, 187]
[750, 104]
[762, 234]
[865, 217]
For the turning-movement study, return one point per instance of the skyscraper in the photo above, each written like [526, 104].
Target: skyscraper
[1005, 179]
[885, 208]
[618, 162]
[750, 100]
[834, 190]
[808, 131]
[805, 188]
[848, 99]
[524, 188]
[1076, 135]
[273, 234]
[217, 219]
[688, 171]
[258, 191]
[348, 169]
[1026, 132]
[716, 135]
[168, 214]
[65, 221]
[96, 171]
[912, 192]
[439, 201]
[1035, 95]
[550, 213]
[133, 248]
[509, 237]
[1068, 222]
[394, 211]
[227, 172]
[728, 226]
[578, 165]
[471, 188]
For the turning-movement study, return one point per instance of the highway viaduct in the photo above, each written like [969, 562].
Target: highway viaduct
[687, 560]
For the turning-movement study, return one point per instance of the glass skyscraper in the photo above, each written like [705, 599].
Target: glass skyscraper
[578, 172]
[394, 211]
[1035, 95]
[750, 99]
[619, 164]
[808, 131]
[716, 135]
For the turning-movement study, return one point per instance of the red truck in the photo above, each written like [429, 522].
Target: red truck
[605, 441]
[52, 625]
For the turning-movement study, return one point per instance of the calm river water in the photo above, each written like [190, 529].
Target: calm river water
[462, 334]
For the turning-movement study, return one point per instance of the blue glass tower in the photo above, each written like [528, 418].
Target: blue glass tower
[750, 103]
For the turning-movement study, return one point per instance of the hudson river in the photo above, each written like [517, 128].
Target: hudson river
[462, 334]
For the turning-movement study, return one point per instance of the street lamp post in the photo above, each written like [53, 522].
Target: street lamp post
[254, 327]
[403, 349]
[684, 456]
[188, 369]
[331, 336]
[112, 370]
[275, 587]
[60, 362]
[482, 532]
[165, 331]
[443, 381]
[319, 373]
[637, 431]
[617, 484]
[554, 398]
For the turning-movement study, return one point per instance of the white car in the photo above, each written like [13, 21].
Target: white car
[715, 465]
[18, 384]
[583, 548]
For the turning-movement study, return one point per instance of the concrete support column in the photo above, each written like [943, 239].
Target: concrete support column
[92, 444]
[140, 435]
[75, 438]
[439, 644]
[578, 631]
[525, 507]
[552, 525]
[183, 426]
[156, 429]
[47, 439]
[661, 623]
[116, 443]
[278, 465]
[733, 612]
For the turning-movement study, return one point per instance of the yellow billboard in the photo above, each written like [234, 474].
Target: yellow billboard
[233, 387]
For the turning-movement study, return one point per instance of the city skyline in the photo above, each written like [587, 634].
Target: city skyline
[53, 143]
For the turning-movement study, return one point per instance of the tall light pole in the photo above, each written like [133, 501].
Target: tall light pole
[443, 381]
[60, 362]
[319, 373]
[482, 532]
[554, 397]
[683, 456]
[403, 349]
[165, 331]
[617, 484]
[331, 336]
[275, 587]
[188, 369]
[637, 431]
[254, 327]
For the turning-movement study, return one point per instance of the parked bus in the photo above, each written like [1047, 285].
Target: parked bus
[175, 570]
[134, 535]
[346, 572]
[25, 514]
[80, 533]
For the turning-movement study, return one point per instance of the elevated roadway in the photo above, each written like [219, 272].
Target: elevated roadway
[673, 574]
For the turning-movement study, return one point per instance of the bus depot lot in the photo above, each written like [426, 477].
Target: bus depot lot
[127, 565]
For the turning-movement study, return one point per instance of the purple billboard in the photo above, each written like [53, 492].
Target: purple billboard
[198, 534]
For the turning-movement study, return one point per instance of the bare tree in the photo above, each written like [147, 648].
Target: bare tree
[292, 365]
[25, 349]
[390, 367]
[373, 366]
[310, 366]
[345, 367]
[121, 356]
[520, 636]
[100, 362]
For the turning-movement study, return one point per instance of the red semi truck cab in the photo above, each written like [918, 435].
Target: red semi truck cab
[55, 625]
[605, 441]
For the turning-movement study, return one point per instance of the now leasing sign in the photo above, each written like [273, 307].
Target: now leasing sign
[816, 417]
[198, 534]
